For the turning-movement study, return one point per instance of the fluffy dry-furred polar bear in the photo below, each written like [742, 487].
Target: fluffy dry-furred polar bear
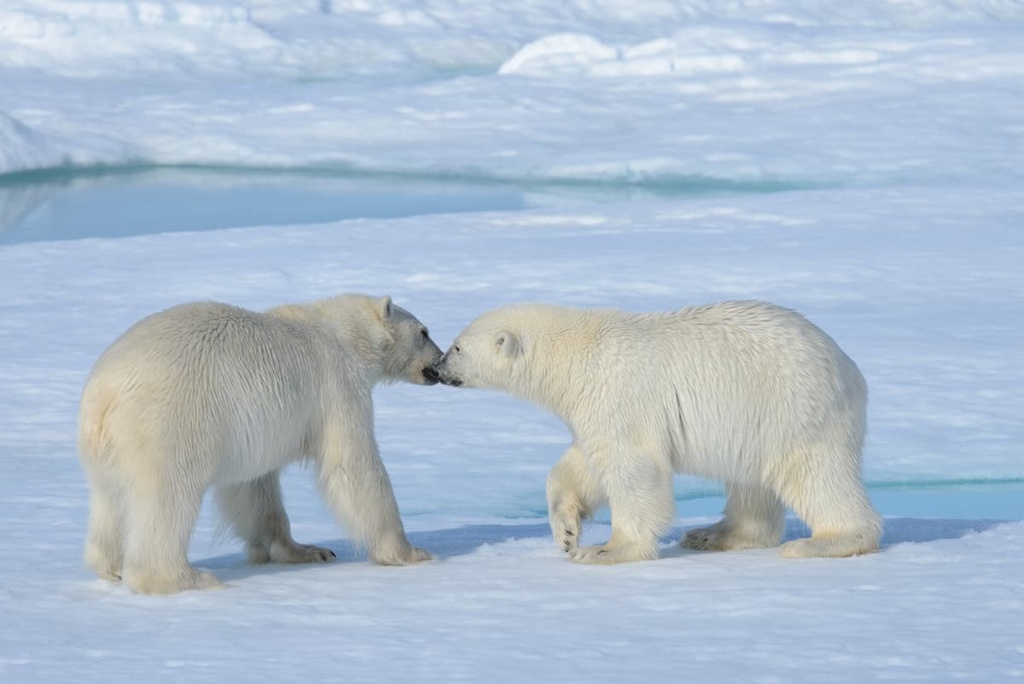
[207, 394]
[744, 392]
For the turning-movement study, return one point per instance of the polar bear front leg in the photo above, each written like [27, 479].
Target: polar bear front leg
[574, 493]
[255, 511]
[642, 505]
[358, 489]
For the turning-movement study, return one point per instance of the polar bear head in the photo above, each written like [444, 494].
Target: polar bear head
[409, 353]
[385, 334]
[492, 352]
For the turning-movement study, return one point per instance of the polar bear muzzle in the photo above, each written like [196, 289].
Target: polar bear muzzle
[431, 376]
[443, 374]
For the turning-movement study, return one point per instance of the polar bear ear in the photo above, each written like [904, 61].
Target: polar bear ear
[385, 308]
[507, 343]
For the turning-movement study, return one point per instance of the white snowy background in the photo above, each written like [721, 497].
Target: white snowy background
[867, 160]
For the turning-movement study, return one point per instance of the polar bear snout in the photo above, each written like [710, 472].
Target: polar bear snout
[431, 376]
[444, 374]
[422, 371]
[426, 363]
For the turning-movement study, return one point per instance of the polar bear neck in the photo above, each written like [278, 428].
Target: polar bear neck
[350, 337]
[559, 354]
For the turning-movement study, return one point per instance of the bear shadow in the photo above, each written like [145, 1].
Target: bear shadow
[908, 530]
[895, 531]
[468, 539]
[924, 530]
[443, 544]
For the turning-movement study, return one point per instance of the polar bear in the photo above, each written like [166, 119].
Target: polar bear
[208, 394]
[744, 392]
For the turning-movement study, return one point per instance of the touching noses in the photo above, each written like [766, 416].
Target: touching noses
[431, 375]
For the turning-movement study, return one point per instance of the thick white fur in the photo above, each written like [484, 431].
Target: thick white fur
[208, 394]
[745, 392]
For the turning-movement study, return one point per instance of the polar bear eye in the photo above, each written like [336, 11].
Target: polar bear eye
[424, 333]
[456, 348]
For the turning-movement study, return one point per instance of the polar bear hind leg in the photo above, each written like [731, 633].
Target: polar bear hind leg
[161, 515]
[754, 519]
[829, 495]
[255, 512]
[104, 544]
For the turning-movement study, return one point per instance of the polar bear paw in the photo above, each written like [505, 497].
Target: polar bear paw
[161, 583]
[831, 546]
[609, 554]
[566, 527]
[300, 553]
[717, 537]
[406, 554]
[724, 536]
[103, 565]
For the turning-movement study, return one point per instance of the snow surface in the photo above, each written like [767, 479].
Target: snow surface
[876, 152]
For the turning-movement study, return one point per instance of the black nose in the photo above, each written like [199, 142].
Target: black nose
[430, 374]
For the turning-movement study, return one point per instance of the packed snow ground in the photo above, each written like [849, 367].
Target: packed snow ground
[891, 134]
[930, 309]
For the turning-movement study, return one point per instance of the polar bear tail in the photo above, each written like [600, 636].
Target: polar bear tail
[93, 442]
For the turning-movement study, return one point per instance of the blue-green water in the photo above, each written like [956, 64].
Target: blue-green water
[148, 202]
[61, 204]
[967, 500]
[998, 500]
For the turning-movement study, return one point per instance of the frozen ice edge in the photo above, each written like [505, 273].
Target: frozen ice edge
[669, 184]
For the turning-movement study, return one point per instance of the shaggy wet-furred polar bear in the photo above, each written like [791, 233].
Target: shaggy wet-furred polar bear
[744, 392]
[207, 394]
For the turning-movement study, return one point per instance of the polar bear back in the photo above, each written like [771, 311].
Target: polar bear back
[216, 378]
[766, 360]
[740, 352]
[725, 387]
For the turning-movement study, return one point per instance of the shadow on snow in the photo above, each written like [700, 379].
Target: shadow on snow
[468, 539]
